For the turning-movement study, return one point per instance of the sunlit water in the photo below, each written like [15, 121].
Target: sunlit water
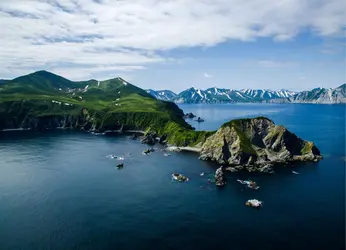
[58, 190]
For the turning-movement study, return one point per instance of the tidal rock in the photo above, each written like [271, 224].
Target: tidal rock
[268, 169]
[133, 137]
[219, 177]
[189, 115]
[255, 143]
[232, 169]
[199, 119]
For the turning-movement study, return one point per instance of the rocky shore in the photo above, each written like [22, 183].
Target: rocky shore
[254, 145]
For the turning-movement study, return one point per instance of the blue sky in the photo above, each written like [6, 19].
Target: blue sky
[291, 44]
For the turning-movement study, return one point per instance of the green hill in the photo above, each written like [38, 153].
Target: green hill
[45, 100]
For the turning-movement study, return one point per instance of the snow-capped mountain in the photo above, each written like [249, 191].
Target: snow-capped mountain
[191, 95]
[218, 95]
[266, 94]
[165, 95]
[321, 95]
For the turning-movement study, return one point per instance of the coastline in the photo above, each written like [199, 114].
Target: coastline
[188, 149]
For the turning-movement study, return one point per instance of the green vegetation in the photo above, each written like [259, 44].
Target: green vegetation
[182, 136]
[243, 121]
[307, 147]
[240, 127]
[101, 105]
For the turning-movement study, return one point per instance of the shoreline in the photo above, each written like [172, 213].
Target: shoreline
[188, 149]
[68, 128]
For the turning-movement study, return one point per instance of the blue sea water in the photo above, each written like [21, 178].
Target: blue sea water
[58, 190]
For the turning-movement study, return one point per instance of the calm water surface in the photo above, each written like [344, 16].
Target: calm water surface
[58, 190]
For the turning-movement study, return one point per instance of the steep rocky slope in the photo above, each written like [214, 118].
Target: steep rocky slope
[255, 143]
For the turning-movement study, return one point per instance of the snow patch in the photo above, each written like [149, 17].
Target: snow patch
[86, 88]
[240, 95]
[199, 93]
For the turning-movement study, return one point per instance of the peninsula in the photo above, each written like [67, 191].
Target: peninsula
[43, 100]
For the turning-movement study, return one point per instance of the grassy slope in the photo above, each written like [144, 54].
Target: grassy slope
[109, 102]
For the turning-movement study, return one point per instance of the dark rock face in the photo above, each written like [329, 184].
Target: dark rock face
[219, 177]
[49, 122]
[163, 139]
[149, 138]
[257, 144]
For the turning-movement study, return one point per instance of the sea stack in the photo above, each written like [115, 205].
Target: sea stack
[219, 177]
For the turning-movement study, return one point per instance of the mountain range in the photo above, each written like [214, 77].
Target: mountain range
[218, 95]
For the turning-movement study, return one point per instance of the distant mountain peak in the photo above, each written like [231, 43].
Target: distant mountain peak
[220, 95]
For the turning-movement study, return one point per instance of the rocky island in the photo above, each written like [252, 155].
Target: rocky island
[256, 144]
[43, 100]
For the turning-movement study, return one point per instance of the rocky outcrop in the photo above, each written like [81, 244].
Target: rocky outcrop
[256, 144]
[189, 115]
[149, 138]
[219, 177]
[163, 139]
[134, 137]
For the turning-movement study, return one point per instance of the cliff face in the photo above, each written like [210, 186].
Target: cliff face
[40, 115]
[256, 143]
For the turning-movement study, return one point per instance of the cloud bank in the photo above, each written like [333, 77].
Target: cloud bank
[86, 38]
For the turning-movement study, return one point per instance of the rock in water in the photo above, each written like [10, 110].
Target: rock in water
[133, 137]
[257, 144]
[189, 115]
[219, 177]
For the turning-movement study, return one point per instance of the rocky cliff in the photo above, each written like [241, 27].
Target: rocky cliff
[40, 115]
[256, 144]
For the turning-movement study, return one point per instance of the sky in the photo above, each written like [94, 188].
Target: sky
[178, 44]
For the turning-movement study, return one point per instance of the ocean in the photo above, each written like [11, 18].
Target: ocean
[59, 190]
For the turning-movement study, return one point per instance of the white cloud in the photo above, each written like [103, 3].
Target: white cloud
[207, 75]
[103, 35]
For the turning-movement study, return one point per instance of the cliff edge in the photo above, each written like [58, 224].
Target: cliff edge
[256, 144]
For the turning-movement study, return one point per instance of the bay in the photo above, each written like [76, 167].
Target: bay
[58, 190]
